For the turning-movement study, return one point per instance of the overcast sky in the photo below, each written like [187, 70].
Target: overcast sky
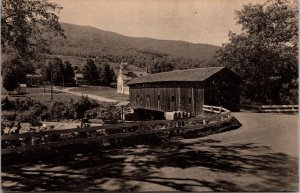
[197, 21]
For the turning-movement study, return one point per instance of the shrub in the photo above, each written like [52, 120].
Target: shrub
[7, 105]
[112, 114]
[24, 104]
[33, 115]
[84, 104]
[93, 113]
[8, 116]
[109, 113]
[60, 110]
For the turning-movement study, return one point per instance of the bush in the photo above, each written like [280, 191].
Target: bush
[60, 110]
[24, 104]
[8, 116]
[93, 113]
[112, 114]
[7, 105]
[33, 115]
[109, 113]
[84, 104]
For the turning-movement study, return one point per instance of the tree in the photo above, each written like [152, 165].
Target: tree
[106, 74]
[57, 71]
[14, 72]
[9, 81]
[265, 53]
[160, 66]
[24, 24]
[68, 73]
[54, 68]
[90, 72]
[46, 72]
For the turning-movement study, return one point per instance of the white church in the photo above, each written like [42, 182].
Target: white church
[125, 76]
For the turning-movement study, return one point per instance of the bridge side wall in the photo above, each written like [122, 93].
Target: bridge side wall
[168, 96]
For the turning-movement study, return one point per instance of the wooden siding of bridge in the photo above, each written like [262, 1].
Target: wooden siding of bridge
[168, 97]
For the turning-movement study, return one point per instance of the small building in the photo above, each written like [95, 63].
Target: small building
[34, 80]
[186, 90]
[124, 76]
[21, 89]
[79, 79]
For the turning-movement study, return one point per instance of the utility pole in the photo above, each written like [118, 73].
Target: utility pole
[51, 78]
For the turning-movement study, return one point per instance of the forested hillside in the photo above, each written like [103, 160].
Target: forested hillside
[104, 46]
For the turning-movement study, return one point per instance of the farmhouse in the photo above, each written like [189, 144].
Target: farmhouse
[186, 90]
[34, 80]
[21, 89]
[79, 79]
[124, 76]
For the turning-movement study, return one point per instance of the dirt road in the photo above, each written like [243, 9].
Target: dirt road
[259, 156]
[92, 96]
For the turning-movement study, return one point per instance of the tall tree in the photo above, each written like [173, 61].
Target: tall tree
[265, 53]
[106, 74]
[54, 69]
[24, 23]
[161, 66]
[68, 73]
[14, 72]
[46, 72]
[90, 72]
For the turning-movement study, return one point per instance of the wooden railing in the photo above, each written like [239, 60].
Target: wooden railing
[14, 143]
[214, 109]
[272, 108]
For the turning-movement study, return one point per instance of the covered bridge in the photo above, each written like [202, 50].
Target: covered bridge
[186, 90]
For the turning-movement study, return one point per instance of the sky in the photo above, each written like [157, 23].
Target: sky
[196, 21]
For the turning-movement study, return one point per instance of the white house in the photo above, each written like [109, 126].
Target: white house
[125, 76]
[21, 89]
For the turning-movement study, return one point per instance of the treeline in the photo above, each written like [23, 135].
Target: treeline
[142, 59]
[98, 75]
[58, 72]
[63, 73]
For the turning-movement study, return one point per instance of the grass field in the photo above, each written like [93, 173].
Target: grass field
[103, 91]
[42, 95]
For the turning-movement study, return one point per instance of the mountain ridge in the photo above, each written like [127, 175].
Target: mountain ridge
[89, 41]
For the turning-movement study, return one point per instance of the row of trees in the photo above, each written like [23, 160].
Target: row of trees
[101, 75]
[58, 72]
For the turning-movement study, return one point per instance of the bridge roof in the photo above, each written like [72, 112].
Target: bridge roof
[195, 74]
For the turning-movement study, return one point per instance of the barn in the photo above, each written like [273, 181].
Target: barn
[186, 90]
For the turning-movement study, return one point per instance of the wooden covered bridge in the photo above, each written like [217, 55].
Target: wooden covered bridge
[186, 90]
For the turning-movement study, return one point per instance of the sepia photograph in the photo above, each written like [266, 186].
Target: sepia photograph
[149, 96]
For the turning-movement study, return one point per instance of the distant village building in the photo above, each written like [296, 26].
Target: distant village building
[186, 90]
[124, 76]
[79, 79]
[34, 80]
[21, 89]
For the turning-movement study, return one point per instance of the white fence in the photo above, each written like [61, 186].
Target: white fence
[214, 109]
[272, 108]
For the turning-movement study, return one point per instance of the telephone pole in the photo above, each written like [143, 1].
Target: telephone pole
[51, 78]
